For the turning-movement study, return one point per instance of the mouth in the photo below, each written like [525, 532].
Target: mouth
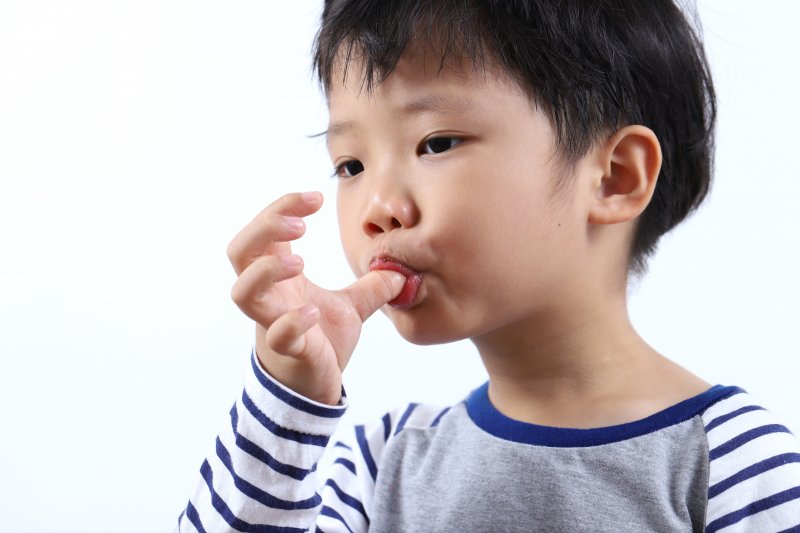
[408, 295]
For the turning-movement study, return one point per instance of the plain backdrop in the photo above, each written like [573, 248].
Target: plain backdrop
[136, 139]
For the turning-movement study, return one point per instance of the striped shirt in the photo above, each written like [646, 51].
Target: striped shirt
[715, 462]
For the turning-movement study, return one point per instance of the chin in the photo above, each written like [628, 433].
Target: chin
[423, 330]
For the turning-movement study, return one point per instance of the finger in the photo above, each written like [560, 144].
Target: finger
[286, 335]
[262, 237]
[296, 204]
[279, 222]
[373, 290]
[252, 289]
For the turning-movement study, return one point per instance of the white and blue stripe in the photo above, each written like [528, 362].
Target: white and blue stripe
[261, 473]
[754, 468]
[260, 476]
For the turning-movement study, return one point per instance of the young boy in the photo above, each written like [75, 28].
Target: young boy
[503, 166]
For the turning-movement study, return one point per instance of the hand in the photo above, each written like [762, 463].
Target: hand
[305, 334]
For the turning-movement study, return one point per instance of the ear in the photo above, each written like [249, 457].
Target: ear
[630, 163]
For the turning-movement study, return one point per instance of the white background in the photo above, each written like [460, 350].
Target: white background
[137, 137]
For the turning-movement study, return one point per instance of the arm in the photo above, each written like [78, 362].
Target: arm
[261, 475]
[259, 479]
[754, 468]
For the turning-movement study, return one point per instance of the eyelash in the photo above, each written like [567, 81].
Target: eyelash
[341, 168]
[458, 140]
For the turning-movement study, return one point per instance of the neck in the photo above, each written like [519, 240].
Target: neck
[556, 349]
[584, 368]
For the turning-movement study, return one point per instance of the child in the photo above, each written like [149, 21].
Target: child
[503, 165]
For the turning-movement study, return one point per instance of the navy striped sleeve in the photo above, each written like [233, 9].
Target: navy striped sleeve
[366, 453]
[289, 397]
[754, 468]
[404, 419]
[263, 455]
[259, 475]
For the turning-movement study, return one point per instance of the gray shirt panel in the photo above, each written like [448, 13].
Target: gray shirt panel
[456, 477]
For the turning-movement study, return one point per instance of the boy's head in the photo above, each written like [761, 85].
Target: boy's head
[592, 66]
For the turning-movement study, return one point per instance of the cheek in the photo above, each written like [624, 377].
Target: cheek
[348, 232]
[486, 246]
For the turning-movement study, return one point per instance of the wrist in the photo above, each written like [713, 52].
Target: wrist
[293, 377]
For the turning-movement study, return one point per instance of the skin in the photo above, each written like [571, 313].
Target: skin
[452, 174]
[305, 335]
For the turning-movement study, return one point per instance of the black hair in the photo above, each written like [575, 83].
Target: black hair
[593, 66]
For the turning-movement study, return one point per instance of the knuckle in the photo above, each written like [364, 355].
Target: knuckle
[238, 294]
[266, 267]
[269, 226]
[353, 293]
[236, 254]
[277, 338]
[285, 202]
[263, 218]
[232, 251]
[245, 288]
[285, 335]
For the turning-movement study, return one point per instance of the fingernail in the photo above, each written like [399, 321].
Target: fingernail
[310, 311]
[310, 196]
[397, 276]
[292, 260]
[294, 222]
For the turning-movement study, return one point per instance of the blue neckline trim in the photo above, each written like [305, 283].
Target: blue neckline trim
[488, 418]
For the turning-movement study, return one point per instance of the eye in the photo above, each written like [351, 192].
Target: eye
[437, 145]
[349, 169]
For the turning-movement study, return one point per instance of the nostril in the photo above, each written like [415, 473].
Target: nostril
[374, 228]
[396, 223]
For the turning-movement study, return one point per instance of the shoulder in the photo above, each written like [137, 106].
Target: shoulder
[368, 442]
[373, 437]
[754, 467]
[357, 457]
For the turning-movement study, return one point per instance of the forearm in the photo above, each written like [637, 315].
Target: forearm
[262, 470]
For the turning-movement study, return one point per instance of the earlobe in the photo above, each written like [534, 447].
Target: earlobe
[631, 162]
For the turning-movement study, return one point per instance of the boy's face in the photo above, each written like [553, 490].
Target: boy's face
[449, 177]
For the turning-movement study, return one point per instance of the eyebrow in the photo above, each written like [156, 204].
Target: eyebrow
[431, 103]
[438, 103]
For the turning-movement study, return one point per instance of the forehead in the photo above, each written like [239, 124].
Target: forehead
[419, 83]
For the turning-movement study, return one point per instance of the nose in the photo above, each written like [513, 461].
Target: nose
[388, 210]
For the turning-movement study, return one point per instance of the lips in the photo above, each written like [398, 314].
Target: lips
[408, 295]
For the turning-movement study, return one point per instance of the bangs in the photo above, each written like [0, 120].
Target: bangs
[376, 34]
